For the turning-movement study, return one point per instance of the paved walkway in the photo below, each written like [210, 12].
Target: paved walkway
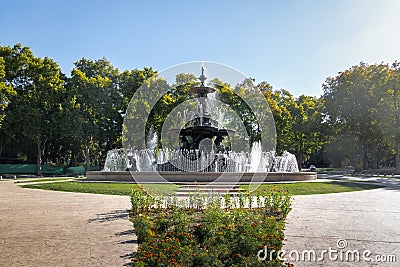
[47, 228]
[365, 220]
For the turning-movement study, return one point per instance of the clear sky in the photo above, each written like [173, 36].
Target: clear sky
[294, 45]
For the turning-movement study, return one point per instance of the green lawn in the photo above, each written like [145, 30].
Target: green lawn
[304, 188]
[124, 189]
[95, 188]
[41, 180]
[160, 189]
[310, 188]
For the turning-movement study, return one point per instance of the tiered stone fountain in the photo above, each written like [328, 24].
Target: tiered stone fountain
[201, 158]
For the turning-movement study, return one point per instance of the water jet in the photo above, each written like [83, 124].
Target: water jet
[204, 155]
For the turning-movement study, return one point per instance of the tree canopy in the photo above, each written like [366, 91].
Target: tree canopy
[362, 103]
[49, 117]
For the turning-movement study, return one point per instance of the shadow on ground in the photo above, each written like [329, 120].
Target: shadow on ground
[111, 216]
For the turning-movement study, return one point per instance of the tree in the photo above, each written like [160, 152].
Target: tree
[176, 94]
[395, 88]
[388, 109]
[280, 102]
[13, 63]
[306, 127]
[238, 99]
[130, 81]
[354, 102]
[298, 122]
[6, 91]
[93, 90]
[37, 83]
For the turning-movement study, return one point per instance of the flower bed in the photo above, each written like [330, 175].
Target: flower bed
[208, 230]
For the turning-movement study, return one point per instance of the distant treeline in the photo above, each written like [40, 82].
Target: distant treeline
[47, 117]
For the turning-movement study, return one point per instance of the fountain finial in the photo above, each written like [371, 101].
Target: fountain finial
[202, 90]
[202, 77]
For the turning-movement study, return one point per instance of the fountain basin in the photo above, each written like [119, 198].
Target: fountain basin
[200, 177]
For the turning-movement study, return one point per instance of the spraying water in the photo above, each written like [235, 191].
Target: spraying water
[197, 161]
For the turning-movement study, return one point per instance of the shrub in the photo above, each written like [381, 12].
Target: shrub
[208, 231]
[141, 201]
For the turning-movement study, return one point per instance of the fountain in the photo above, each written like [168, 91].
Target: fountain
[204, 155]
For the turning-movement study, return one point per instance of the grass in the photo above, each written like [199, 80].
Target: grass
[304, 188]
[160, 189]
[41, 180]
[310, 188]
[123, 189]
[335, 169]
[94, 188]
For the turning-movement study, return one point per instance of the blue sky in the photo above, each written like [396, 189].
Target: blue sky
[294, 45]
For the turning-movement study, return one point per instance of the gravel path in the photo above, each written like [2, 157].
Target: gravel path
[47, 228]
[362, 221]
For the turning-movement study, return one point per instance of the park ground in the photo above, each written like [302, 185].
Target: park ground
[362, 221]
[48, 228]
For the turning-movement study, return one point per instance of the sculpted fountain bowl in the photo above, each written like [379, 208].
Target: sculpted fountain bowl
[202, 149]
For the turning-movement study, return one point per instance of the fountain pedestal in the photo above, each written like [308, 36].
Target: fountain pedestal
[199, 177]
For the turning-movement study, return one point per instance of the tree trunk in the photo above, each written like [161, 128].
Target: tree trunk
[364, 156]
[300, 160]
[39, 156]
[299, 153]
[87, 158]
[397, 156]
[397, 125]
[2, 145]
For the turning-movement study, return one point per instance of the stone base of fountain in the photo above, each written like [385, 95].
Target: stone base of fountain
[200, 177]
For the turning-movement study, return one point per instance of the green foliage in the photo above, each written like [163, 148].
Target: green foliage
[208, 231]
[46, 117]
[361, 103]
[94, 86]
[141, 202]
[6, 91]
[299, 122]
[235, 99]
[78, 119]
[130, 81]
[65, 120]
[38, 87]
